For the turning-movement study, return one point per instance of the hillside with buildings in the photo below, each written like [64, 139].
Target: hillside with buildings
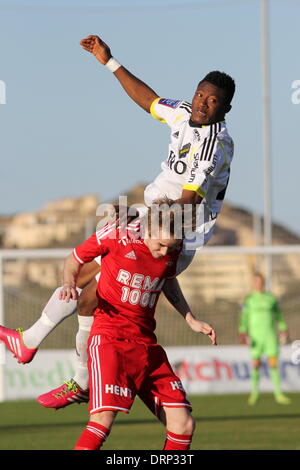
[67, 221]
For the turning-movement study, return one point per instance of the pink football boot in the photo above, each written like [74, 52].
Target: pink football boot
[13, 340]
[65, 395]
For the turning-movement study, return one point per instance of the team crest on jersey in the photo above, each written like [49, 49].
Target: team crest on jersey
[176, 134]
[169, 103]
[197, 135]
[184, 150]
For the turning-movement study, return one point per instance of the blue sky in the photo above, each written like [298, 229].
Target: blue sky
[68, 129]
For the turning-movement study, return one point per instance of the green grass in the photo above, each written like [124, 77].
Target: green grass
[223, 422]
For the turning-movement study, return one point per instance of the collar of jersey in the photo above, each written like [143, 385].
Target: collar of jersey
[194, 124]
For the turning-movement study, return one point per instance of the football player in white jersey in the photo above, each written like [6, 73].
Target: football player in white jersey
[196, 171]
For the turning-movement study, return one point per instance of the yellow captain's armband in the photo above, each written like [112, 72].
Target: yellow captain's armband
[153, 113]
[194, 187]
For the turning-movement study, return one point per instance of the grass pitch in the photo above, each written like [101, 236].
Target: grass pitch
[223, 422]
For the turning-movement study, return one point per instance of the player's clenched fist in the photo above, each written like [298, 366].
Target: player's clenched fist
[96, 46]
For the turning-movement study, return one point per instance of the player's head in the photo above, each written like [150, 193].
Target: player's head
[212, 98]
[164, 227]
[258, 282]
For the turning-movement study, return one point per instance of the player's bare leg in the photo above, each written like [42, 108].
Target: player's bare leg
[24, 344]
[279, 397]
[254, 396]
[180, 428]
[96, 431]
[154, 405]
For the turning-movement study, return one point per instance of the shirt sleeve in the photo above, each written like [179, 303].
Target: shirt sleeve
[205, 160]
[281, 324]
[168, 111]
[91, 248]
[244, 319]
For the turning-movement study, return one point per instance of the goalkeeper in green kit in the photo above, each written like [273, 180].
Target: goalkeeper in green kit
[260, 318]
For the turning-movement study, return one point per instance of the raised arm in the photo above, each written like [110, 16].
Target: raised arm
[175, 296]
[138, 91]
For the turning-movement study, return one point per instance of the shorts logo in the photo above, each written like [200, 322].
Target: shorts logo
[120, 391]
[176, 386]
[170, 103]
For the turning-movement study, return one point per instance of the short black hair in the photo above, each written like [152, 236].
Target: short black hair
[221, 80]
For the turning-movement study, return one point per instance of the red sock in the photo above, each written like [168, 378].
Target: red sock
[92, 437]
[177, 441]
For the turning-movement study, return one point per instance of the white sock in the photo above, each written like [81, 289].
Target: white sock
[81, 369]
[54, 312]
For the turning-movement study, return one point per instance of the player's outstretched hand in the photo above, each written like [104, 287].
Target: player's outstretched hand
[204, 328]
[283, 337]
[244, 339]
[96, 46]
[68, 293]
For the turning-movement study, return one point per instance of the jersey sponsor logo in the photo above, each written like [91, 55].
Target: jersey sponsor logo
[176, 134]
[125, 241]
[178, 166]
[195, 168]
[138, 281]
[117, 390]
[136, 296]
[212, 166]
[184, 150]
[170, 103]
[131, 255]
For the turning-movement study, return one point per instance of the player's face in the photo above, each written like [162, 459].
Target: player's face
[160, 247]
[209, 104]
[259, 283]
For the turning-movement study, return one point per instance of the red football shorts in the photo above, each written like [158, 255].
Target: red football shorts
[119, 370]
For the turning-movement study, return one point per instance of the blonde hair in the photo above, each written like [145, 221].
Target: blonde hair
[176, 219]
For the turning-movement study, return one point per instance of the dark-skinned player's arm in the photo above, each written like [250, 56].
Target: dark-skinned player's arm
[189, 197]
[174, 294]
[138, 91]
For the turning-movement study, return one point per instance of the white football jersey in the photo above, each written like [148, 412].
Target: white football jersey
[199, 158]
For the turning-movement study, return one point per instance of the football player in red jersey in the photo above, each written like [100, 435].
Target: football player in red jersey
[124, 357]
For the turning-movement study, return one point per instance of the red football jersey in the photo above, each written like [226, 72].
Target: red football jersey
[130, 282]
